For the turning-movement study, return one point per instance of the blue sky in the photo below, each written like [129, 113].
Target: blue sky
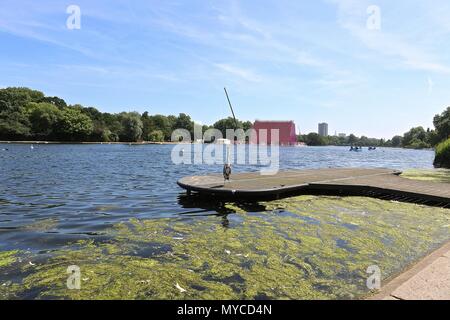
[307, 61]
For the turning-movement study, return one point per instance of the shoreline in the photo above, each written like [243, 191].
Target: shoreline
[85, 142]
[163, 143]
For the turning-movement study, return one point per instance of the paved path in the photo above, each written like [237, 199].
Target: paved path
[429, 279]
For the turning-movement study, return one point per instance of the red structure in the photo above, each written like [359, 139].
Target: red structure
[286, 131]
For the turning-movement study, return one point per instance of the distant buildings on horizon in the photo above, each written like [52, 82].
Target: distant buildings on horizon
[323, 131]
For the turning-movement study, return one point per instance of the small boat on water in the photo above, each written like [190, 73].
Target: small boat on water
[372, 148]
[356, 149]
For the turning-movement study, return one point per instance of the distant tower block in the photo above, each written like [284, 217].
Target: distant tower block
[323, 129]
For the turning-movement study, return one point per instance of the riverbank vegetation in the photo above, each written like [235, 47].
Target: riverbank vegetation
[27, 114]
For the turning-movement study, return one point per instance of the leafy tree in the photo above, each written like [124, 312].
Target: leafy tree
[247, 125]
[352, 139]
[74, 125]
[60, 103]
[415, 138]
[156, 136]
[131, 126]
[14, 125]
[442, 124]
[44, 118]
[184, 121]
[19, 97]
[228, 123]
[396, 141]
[313, 139]
[162, 123]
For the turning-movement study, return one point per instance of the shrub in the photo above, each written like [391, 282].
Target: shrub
[442, 159]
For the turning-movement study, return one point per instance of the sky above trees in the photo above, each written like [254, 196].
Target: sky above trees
[307, 61]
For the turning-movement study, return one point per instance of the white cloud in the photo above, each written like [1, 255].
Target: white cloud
[245, 74]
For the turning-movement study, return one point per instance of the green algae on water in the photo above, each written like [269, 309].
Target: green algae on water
[437, 175]
[7, 258]
[304, 247]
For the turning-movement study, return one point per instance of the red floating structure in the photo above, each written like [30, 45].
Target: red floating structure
[263, 129]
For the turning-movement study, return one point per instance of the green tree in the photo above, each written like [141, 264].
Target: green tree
[352, 139]
[58, 102]
[156, 136]
[14, 125]
[228, 123]
[313, 139]
[131, 126]
[74, 125]
[442, 159]
[161, 122]
[415, 138]
[397, 141]
[184, 121]
[441, 123]
[19, 97]
[246, 125]
[44, 118]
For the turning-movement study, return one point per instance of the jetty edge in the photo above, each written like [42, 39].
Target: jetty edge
[372, 182]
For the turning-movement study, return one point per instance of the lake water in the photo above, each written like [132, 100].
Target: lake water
[54, 195]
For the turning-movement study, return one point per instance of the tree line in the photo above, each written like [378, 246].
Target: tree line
[27, 114]
[415, 138]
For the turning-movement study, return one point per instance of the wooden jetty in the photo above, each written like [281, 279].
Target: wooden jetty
[379, 183]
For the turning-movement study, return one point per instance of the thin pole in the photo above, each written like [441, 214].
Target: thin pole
[231, 107]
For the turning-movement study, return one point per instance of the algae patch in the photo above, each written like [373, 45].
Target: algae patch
[7, 258]
[304, 247]
[437, 175]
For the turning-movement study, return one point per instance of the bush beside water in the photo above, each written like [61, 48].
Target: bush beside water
[442, 159]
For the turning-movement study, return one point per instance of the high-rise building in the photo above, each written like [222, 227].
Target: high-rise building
[323, 129]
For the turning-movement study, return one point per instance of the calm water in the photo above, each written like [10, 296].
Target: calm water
[84, 189]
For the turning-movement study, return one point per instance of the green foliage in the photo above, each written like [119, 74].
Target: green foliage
[313, 139]
[58, 102]
[74, 125]
[442, 159]
[228, 123]
[396, 141]
[14, 125]
[131, 127]
[184, 122]
[156, 136]
[416, 138]
[44, 118]
[442, 124]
